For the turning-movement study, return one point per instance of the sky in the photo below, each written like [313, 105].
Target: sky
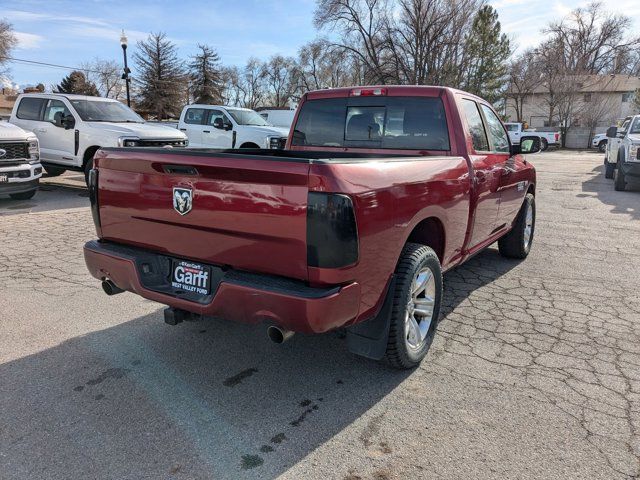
[72, 32]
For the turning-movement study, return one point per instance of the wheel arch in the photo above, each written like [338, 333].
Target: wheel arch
[430, 232]
[249, 145]
[88, 154]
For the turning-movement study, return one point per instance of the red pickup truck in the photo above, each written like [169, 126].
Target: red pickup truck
[378, 191]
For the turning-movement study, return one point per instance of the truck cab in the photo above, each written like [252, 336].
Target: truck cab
[20, 168]
[622, 156]
[71, 128]
[218, 126]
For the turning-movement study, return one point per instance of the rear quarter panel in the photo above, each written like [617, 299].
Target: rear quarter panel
[390, 199]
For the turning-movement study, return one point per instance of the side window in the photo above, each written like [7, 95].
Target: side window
[476, 127]
[498, 135]
[30, 108]
[214, 114]
[194, 116]
[55, 111]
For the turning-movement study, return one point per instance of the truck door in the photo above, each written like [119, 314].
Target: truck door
[192, 124]
[215, 136]
[57, 143]
[613, 144]
[487, 170]
[512, 188]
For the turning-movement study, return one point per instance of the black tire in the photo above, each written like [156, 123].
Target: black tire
[514, 244]
[619, 181]
[414, 258]
[23, 195]
[544, 144]
[609, 169]
[249, 145]
[54, 171]
[87, 169]
[602, 146]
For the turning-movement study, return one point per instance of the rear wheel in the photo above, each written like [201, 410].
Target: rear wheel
[23, 195]
[54, 171]
[517, 243]
[416, 306]
[544, 144]
[609, 169]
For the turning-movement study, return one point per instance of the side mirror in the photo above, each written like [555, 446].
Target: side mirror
[218, 123]
[529, 144]
[612, 132]
[68, 122]
[228, 126]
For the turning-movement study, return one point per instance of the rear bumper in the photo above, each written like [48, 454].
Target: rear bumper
[240, 297]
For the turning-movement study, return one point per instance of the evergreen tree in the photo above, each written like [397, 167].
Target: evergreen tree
[487, 51]
[160, 76]
[205, 73]
[77, 83]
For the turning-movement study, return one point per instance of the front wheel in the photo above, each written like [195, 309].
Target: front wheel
[619, 181]
[416, 306]
[517, 243]
[544, 144]
[23, 195]
[54, 171]
[602, 146]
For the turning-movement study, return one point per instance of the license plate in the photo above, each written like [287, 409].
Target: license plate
[191, 277]
[4, 178]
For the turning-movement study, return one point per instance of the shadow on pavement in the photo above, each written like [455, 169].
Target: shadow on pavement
[50, 196]
[627, 202]
[208, 399]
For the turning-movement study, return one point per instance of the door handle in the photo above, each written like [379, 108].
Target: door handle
[206, 131]
[182, 129]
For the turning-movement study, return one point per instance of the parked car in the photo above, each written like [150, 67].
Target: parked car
[379, 191]
[517, 131]
[622, 157]
[278, 117]
[216, 126]
[20, 168]
[71, 128]
[599, 141]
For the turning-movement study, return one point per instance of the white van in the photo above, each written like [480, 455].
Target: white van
[278, 117]
[71, 128]
[217, 126]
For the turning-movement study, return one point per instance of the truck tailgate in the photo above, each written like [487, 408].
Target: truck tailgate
[247, 212]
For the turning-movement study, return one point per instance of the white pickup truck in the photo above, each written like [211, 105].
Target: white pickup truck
[622, 157]
[516, 131]
[217, 126]
[20, 168]
[71, 128]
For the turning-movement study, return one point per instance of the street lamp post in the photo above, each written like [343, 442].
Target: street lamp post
[126, 71]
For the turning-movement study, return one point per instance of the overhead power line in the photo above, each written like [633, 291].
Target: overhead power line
[50, 65]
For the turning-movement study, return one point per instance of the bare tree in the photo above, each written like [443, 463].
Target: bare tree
[7, 42]
[597, 111]
[524, 78]
[281, 79]
[107, 76]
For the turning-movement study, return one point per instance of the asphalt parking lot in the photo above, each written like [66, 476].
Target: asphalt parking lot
[535, 372]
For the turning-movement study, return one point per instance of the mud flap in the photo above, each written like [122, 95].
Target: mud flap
[369, 338]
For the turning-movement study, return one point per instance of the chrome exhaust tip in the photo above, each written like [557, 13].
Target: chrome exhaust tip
[279, 335]
[110, 288]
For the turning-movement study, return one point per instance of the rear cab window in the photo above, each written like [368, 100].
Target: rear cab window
[380, 122]
[476, 126]
[30, 108]
[194, 116]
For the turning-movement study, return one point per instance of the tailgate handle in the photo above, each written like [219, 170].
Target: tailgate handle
[182, 169]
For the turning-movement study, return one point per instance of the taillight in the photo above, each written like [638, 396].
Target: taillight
[93, 197]
[332, 234]
[367, 92]
[557, 136]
